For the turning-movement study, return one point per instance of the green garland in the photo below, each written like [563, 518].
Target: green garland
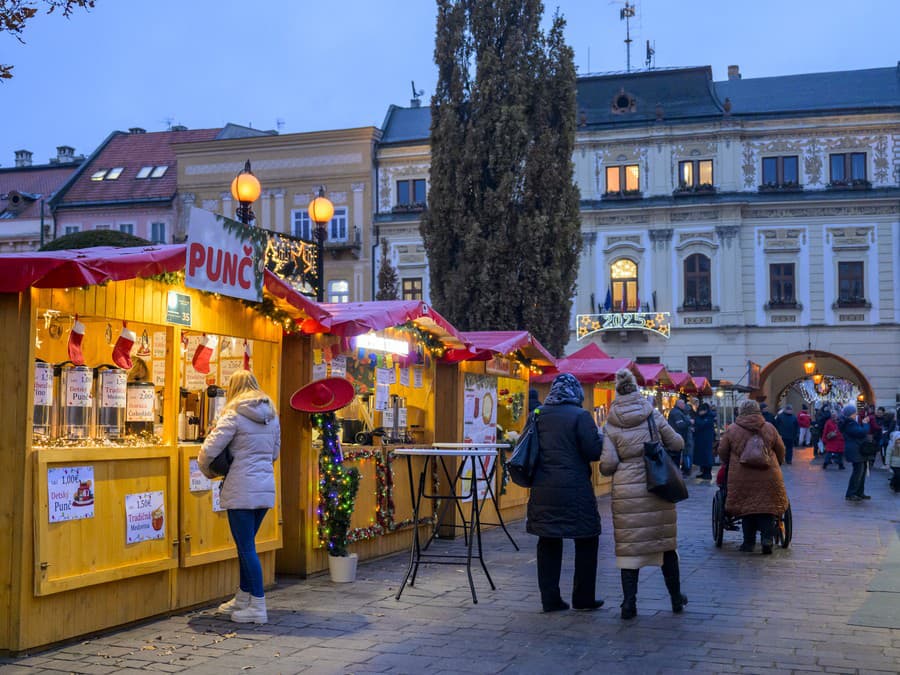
[337, 488]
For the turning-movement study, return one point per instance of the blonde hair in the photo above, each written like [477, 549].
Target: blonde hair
[243, 386]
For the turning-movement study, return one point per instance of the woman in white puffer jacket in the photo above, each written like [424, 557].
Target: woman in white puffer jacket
[249, 427]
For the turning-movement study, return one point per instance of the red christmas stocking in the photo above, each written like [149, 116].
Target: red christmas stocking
[246, 355]
[76, 337]
[203, 353]
[121, 355]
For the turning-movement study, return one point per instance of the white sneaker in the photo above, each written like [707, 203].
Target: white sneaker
[255, 612]
[240, 600]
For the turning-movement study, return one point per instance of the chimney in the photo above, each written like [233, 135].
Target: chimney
[734, 72]
[178, 127]
[137, 130]
[23, 158]
[415, 103]
[65, 154]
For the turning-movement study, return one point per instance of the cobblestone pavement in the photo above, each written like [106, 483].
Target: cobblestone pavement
[787, 612]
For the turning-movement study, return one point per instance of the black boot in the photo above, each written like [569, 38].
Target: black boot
[673, 581]
[629, 593]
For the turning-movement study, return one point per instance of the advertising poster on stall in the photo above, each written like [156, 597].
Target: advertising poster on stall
[479, 425]
[404, 377]
[70, 491]
[145, 517]
[199, 482]
[217, 497]
[417, 377]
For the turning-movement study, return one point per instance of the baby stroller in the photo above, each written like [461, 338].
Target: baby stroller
[721, 521]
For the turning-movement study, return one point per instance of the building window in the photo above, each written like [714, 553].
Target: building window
[848, 168]
[697, 282]
[102, 227]
[623, 275]
[337, 229]
[851, 286]
[72, 229]
[127, 228]
[695, 174]
[411, 192]
[301, 226]
[339, 291]
[646, 359]
[158, 233]
[782, 289]
[412, 289]
[113, 174]
[624, 179]
[780, 172]
[700, 366]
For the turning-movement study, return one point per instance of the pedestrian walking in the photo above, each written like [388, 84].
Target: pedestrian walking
[805, 423]
[644, 525]
[704, 437]
[767, 415]
[680, 420]
[834, 442]
[789, 429]
[755, 495]
[248, 426]
[822, 418]
[562, 504]
[854, 431]
[534, 400]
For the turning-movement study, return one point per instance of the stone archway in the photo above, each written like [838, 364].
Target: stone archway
[779, 373]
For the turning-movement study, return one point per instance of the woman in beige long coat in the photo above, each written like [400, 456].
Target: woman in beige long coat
[645, 526]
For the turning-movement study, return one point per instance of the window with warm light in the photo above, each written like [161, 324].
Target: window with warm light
[339, 291]
[623, 274]
[695, 174]
[625, 179]
[412, 288]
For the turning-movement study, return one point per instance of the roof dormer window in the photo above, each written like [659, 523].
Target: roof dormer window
[144, 172]
[159, 172]
[113, 174]
[99, 175]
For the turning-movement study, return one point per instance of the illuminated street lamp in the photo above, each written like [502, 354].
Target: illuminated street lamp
[809, 366]
[321, 210]
[245, 189]
[817, 378]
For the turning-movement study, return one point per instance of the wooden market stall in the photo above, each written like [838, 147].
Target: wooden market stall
[112, 371]
[654, 380]
[393, 352]
[494, 378]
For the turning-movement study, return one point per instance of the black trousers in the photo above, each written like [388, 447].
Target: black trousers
[549, 567]
[764, 522]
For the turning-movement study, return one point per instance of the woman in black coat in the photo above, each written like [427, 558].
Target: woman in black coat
[562, 504]
[704, 436]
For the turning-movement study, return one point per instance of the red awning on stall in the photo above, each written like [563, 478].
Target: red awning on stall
[682, 381]
[588, 371]
[589, 351]
[485, 344]
[355, 318]
[702, 385]
[92, 266]
[652, 375]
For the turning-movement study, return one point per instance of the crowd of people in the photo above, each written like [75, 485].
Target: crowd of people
[751, 451]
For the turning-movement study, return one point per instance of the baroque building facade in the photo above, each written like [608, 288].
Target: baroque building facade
[759, 219]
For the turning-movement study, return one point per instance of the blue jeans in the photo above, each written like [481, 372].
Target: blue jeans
[244, 526]
[857, 485]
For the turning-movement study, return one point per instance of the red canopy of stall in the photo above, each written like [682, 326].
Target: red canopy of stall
[347, 319]
[588, 371]
[484, 344]
[589, 351]
[92, 266]
[703, 386]
[652, 375]
[683, 382]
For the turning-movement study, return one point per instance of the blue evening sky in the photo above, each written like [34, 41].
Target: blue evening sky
[331, 65]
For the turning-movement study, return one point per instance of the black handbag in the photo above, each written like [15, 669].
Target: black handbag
[524, 459]
[222, 462]
[868, 449]
[663, 477]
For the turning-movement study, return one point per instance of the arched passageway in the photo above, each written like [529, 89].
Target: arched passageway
[784, 371]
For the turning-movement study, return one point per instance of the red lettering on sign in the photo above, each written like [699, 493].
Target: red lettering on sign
[229, 273]
[243, 280]
[197, 257]
[214, 264]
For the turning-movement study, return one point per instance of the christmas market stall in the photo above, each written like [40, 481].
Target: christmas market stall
[393, 353]
[682, 384]
[113, 367]
[494, 378]
[654, 381]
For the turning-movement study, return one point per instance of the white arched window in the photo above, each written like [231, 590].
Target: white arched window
[623, 277]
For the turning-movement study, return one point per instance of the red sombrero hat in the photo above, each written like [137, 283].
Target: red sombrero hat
[325, 395]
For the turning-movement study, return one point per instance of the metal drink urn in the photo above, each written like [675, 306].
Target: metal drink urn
[75, 403]
[140, 408]
[42, 426]
[111, 401]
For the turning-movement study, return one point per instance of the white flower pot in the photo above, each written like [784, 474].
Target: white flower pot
[342, 569]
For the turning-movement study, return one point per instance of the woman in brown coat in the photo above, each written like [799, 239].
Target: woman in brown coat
[645, 526]
[755, 495]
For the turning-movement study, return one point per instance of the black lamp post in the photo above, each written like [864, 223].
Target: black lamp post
[321, 210]
[245, 190]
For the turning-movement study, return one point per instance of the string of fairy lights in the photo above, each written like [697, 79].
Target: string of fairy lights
[338, 486]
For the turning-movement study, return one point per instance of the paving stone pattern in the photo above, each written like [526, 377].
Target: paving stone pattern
[748, 613]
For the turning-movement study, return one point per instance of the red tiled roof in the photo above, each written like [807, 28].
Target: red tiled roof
[133, 151]
[33, 180]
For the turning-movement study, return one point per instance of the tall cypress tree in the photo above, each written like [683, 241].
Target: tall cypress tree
[502, 229]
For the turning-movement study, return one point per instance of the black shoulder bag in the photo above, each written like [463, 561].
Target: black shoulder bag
[663, 477]
[524, 459]
[222, 462]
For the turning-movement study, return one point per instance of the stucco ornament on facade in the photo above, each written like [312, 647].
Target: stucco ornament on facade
[850, 237]
[781, 239]
[230, 168]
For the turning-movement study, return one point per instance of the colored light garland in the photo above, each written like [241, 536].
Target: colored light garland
[337, 488]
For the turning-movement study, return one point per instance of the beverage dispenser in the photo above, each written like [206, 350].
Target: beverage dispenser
[140, 408]
[111, 401]
[74, 401]
[42, 425]
[213, 405]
